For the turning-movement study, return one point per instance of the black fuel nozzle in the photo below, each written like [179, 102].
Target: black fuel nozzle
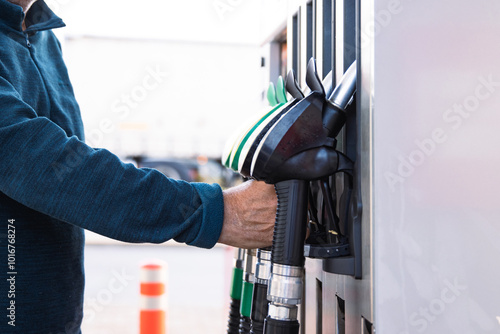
[334, 116]
[240, 150]
[292, 86]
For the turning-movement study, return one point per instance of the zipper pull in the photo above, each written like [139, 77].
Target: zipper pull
[27, 40]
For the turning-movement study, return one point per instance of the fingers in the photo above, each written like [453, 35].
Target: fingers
[249, 213]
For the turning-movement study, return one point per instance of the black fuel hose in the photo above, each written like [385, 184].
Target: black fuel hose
[259, 299]
[235, 293]
[259, 308]
[273, 326]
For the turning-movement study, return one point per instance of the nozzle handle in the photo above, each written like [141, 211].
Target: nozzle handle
[291, 223]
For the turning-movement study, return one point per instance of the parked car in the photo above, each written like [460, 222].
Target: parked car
[200, 169]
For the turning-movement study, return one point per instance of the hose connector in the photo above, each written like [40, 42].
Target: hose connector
[285, 285]
[259, 301]
[263, 266]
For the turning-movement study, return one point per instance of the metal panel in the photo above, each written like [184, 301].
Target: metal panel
[293, 41]
[365, 153]
[310, 13]
[303, 44]
[326, 35]
[314, 274]
[436, 163]
[356, 293]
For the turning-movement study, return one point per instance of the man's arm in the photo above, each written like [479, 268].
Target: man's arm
[45, 170]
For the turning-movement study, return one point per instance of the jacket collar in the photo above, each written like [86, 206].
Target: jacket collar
[39, 17]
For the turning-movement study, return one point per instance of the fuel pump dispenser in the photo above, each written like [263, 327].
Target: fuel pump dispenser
[298, 149]
[290, 146]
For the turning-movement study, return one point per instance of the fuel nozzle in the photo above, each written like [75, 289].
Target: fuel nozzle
[301, 144]
[344, 91]
[243, 145]
[334, 111]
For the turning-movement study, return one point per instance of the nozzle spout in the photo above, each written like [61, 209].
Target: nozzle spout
[344, 91]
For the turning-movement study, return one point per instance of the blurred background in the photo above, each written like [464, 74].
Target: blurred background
[163, 84]
[165, 78]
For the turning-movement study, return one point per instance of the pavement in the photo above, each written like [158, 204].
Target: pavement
[197, 287]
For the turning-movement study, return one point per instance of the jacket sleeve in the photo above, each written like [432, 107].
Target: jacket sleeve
[60, 176]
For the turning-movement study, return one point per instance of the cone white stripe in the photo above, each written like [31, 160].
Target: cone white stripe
[149, 303]
[153, 275]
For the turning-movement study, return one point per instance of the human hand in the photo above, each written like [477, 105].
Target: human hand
[249, 215]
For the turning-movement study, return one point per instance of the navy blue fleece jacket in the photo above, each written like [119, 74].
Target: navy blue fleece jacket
[52, 185]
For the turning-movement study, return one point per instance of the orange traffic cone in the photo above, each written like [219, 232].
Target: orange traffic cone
[153, 299]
